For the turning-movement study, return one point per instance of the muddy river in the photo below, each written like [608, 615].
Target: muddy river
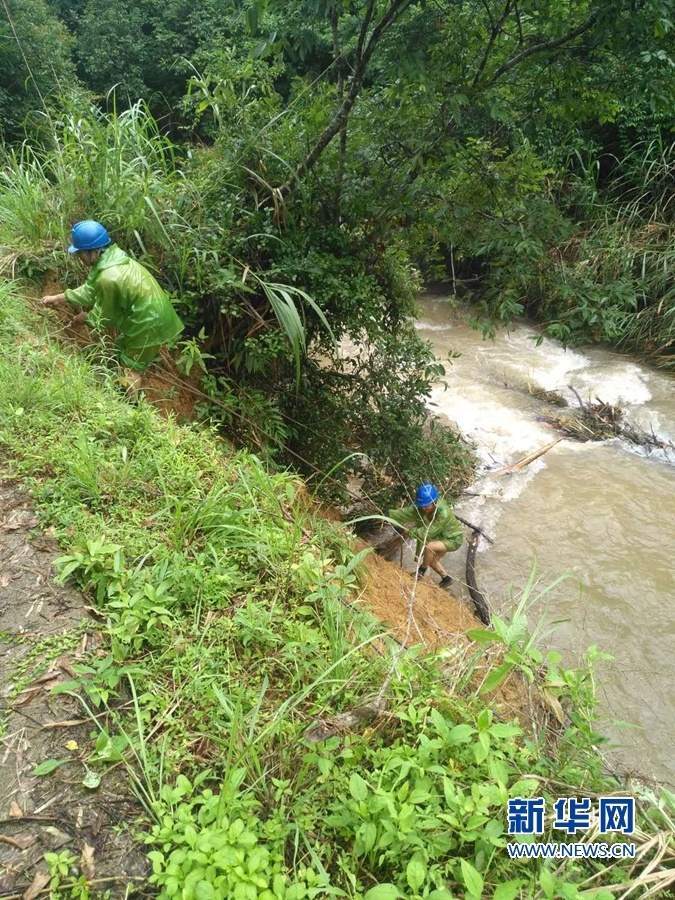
[601, 513]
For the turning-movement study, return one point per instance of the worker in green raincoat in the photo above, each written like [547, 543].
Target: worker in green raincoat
[130, 301]
[433, 525]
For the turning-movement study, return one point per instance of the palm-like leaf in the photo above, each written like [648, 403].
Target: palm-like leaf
[281, 298]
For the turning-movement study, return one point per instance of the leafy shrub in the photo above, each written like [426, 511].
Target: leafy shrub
[213, 845]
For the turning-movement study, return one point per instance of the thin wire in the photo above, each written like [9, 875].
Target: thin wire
[20, 46]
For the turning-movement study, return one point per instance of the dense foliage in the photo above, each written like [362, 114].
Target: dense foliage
[35, 64]
[293, 172]
[225, 605]
[341, 153]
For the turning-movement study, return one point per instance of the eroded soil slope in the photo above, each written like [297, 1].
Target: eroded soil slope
[44, 629]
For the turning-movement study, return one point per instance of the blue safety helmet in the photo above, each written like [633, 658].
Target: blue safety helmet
[88, 235]
[426, 495]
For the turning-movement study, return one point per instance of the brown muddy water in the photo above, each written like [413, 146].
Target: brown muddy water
[600, 513]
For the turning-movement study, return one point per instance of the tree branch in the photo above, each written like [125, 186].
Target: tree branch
[364, 28]
[337, 56]
[364, 51]
[494, 34]
[542, 47]
[520, 25]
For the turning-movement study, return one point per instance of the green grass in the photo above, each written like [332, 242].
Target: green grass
[613, 281]
[229, 632]
[117, 168]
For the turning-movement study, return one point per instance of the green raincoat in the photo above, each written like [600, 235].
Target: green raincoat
[443, 527]
[130, 302]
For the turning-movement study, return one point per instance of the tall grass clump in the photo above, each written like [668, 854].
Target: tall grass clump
[605, 271]
[629, 253]
[115, 167]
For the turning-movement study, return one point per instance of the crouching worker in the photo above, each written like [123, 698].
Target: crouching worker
[432, 523]
[129, 299]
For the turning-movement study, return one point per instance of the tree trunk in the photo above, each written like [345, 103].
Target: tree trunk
[364, 51]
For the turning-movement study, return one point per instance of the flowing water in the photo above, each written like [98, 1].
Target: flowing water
[601, 512]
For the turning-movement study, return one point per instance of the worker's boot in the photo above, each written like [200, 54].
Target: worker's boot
[445, 582]
[421, 571]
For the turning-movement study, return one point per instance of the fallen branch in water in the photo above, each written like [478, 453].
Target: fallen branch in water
[526, 460]
[475, 528]
[600, 421]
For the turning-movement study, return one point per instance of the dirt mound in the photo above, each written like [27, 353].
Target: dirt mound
[163, 385]
[44, 628]
[425, 614]
[170, 391]
[415, 612]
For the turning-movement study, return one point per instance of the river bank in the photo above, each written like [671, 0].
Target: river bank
[600, 513]
[228, 615]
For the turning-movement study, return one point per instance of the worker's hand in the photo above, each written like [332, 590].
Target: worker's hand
[52, 300]
[79, 318]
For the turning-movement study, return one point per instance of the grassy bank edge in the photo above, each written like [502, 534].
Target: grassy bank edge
[223, 598]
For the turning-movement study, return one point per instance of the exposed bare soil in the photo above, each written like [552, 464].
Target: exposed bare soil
[163, 385]
[44, 629]
[431, 616]
[422, 613]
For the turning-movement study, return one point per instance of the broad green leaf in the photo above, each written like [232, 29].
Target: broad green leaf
[472, 878]
[204, 891]
[66, 566]
[480, 752]
[524, 788]
[280, 297]
[48, 766]
[508, 891]
[496, 677]
[484, 720]
[501, 729]
[493, 830]
[65, 687]
[368, 836]
[460, 734]
[498, 771]
[383, 892]
[440, 724]
[183, 785]
[358, 787]
[547, 882]
[450, 792]
[482, 636]
[415, 873]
